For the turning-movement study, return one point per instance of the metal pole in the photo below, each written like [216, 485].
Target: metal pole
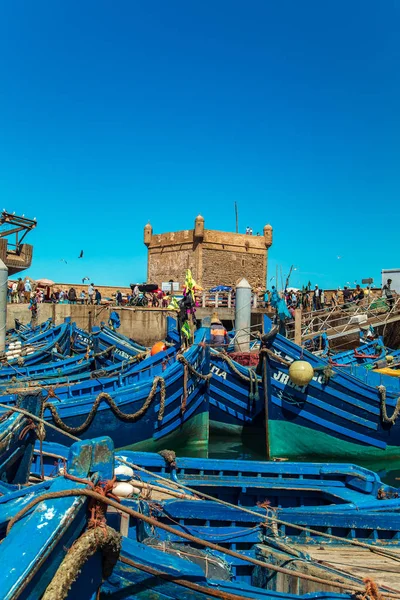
[243, 316]
[3, 304]
[266, 401]
[237, 218]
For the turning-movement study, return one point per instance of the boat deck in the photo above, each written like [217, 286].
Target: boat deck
[358, 562]
[335, 563]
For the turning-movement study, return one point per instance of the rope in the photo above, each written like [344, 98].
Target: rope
[375, 549]
[272, 354]
[187, 364]
[185, 390]
[252, 378]
[170, 459]
[98, 373]
[207, 591]
[378, 550]
[186, 536]
[223, 356]
[39, 420]
[104, 539]
[130, 417]
[384, 416]
[371, 591]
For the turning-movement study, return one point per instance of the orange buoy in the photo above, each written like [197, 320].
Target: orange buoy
[158, 347]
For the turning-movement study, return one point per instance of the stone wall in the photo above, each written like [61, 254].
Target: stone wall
[171, 261]
[215, 257]
[144, 325]
[224, 267]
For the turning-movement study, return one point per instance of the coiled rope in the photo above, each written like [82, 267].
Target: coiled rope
[384, 416]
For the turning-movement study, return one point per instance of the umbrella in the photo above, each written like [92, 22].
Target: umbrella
[221, 288]
[44, 282]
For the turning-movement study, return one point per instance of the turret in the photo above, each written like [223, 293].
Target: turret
[268, 235]
[199, 227]
[148, 233]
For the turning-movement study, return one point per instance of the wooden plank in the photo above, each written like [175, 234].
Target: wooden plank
[358, 562]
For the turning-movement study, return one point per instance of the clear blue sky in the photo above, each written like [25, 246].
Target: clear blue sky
[116, 113]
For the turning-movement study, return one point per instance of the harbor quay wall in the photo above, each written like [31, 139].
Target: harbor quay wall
[143, 325]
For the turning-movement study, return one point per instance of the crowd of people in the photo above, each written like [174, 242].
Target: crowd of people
[317, 299]
[26, 291]
[23, 292]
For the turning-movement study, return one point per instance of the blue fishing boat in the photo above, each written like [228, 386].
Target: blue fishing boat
[120, 338]
[247, 483]
[60, 366]
[256, 532]
[103, 337]
[73, 370]
[18, 434]
[214, 549]
[70, 556]
[347, 416]
[164, 401]
[24, 331]
[35, 541]
[335, 415]
[44, 347]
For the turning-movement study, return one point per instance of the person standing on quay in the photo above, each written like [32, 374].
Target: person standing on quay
[27, 290]
[317, 298]
[388, 293]
[72, 296]
[90, 293]
[14, 292]
[97, 297]
[21, 289]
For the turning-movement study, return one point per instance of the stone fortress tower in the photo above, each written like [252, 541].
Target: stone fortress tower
[215, 257]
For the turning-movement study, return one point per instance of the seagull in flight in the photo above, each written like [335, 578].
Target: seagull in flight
[63, 260]
[85, 279]
[81, 254]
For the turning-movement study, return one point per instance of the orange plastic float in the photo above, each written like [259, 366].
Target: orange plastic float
[158, 347]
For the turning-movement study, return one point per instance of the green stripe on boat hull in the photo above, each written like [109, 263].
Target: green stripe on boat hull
[190, 438]
[288, 440]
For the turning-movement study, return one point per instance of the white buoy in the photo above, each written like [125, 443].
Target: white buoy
[123, 489]
[123, 470]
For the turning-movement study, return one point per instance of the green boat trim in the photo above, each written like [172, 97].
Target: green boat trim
[191, 438]
[288, 440]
